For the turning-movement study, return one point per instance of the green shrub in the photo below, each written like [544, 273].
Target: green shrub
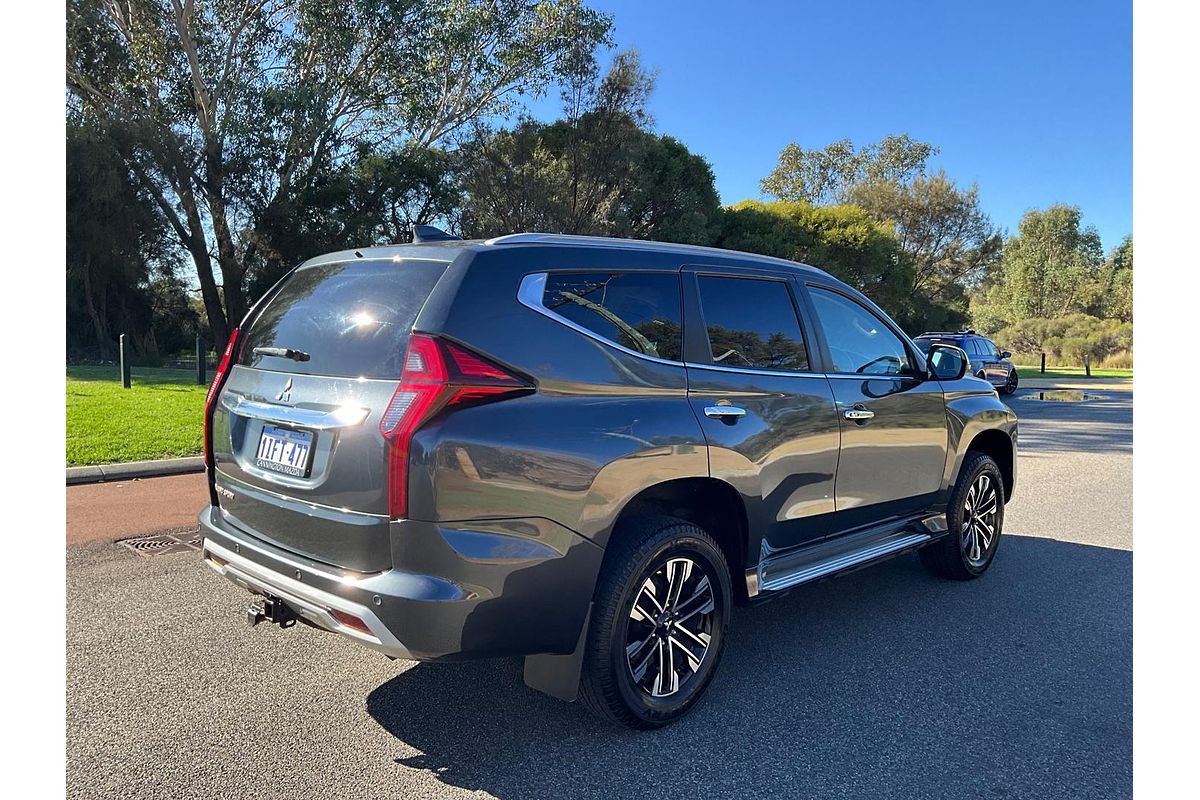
[1068, 338]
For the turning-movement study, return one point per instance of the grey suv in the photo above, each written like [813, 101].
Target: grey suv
[583, 451]
[987, 361]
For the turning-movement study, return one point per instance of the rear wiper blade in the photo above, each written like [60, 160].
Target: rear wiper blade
[282, 352]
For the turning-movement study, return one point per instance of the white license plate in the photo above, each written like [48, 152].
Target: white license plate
[285, 450]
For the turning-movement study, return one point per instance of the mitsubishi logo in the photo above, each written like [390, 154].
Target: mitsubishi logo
[285, 396]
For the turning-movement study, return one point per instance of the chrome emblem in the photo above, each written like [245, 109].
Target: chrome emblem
[285, 396]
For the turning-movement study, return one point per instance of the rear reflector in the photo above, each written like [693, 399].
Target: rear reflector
[350, 621]
[438, 375]
[213, 392]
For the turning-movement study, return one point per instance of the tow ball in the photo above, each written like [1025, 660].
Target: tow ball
[270, 609]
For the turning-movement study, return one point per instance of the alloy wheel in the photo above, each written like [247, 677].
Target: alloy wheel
[980, 509]
[670, 627]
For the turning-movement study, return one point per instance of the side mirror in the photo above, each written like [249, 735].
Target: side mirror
[1006, 354]
[947, 362]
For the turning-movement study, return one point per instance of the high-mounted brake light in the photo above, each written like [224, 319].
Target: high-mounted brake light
[213, 392]
[437, 375]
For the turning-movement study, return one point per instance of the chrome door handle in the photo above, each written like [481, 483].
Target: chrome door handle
[720, 412]
[858, 414]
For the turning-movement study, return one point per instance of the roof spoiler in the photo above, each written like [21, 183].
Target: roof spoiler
[428, 233]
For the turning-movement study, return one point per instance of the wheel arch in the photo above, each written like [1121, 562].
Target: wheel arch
[997, 444]
[709, 503]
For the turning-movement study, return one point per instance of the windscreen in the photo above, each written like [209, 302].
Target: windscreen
[349, 319]
[924, 342]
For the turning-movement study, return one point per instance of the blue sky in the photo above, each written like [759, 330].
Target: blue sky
[1031, 99]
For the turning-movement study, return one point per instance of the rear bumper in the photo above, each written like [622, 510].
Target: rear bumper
[482, 589]
[309, 602]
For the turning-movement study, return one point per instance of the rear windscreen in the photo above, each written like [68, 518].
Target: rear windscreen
[350, 319]
[925, 342]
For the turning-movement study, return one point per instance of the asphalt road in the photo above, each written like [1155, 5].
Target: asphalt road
[883, 683]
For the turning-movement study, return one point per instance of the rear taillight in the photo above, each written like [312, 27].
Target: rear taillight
[213, 391]
[437, 375]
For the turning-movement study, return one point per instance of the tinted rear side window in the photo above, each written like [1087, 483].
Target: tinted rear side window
[752, 324]
[637, 310]
[352, 318]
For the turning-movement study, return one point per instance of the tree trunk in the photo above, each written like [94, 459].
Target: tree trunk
[197, 245]
[98, 322]
[232, 270]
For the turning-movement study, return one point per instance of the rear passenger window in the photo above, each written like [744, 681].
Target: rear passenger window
[637, 310]
[752, 324]
[859, 341]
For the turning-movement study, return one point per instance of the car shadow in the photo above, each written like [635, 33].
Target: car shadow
[883, 683]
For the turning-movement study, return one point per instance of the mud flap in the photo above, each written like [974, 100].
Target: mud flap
[558, 675]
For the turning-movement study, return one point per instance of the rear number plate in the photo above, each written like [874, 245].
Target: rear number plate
[285, 450]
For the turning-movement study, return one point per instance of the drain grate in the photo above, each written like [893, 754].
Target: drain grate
[163, 543]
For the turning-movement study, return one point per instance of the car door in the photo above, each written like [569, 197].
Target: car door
[997, 371]
[768, 417]
[893, 419]
[975, 365]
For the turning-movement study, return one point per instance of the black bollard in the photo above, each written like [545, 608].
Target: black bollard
[201, 363]
[1043, 363]
[124, 364]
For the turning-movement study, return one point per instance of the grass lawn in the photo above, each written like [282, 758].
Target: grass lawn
[1070, 373]
[162, 416]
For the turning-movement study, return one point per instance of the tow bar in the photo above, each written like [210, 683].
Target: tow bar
[270, 609]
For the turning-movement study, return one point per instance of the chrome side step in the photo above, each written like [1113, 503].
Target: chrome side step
[818, 561]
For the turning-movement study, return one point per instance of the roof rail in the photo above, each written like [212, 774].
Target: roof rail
[640, 244]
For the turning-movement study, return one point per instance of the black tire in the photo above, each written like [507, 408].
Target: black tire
[1010, 385]
[639, 554]
[951, 555]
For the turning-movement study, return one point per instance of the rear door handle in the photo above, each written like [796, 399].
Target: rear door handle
[858, 414]
[724, 412]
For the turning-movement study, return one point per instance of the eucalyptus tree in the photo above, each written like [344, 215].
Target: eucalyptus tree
[598, 170]
[233, 109]
[827, 176]
[1051, 267]
[951, 239]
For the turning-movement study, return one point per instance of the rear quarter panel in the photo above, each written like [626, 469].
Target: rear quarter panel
[602, 426]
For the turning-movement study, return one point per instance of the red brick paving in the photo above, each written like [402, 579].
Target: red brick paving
[120, 509]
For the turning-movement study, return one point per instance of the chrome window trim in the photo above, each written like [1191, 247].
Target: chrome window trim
[753, 371]
[872, 376]
[533, 289]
